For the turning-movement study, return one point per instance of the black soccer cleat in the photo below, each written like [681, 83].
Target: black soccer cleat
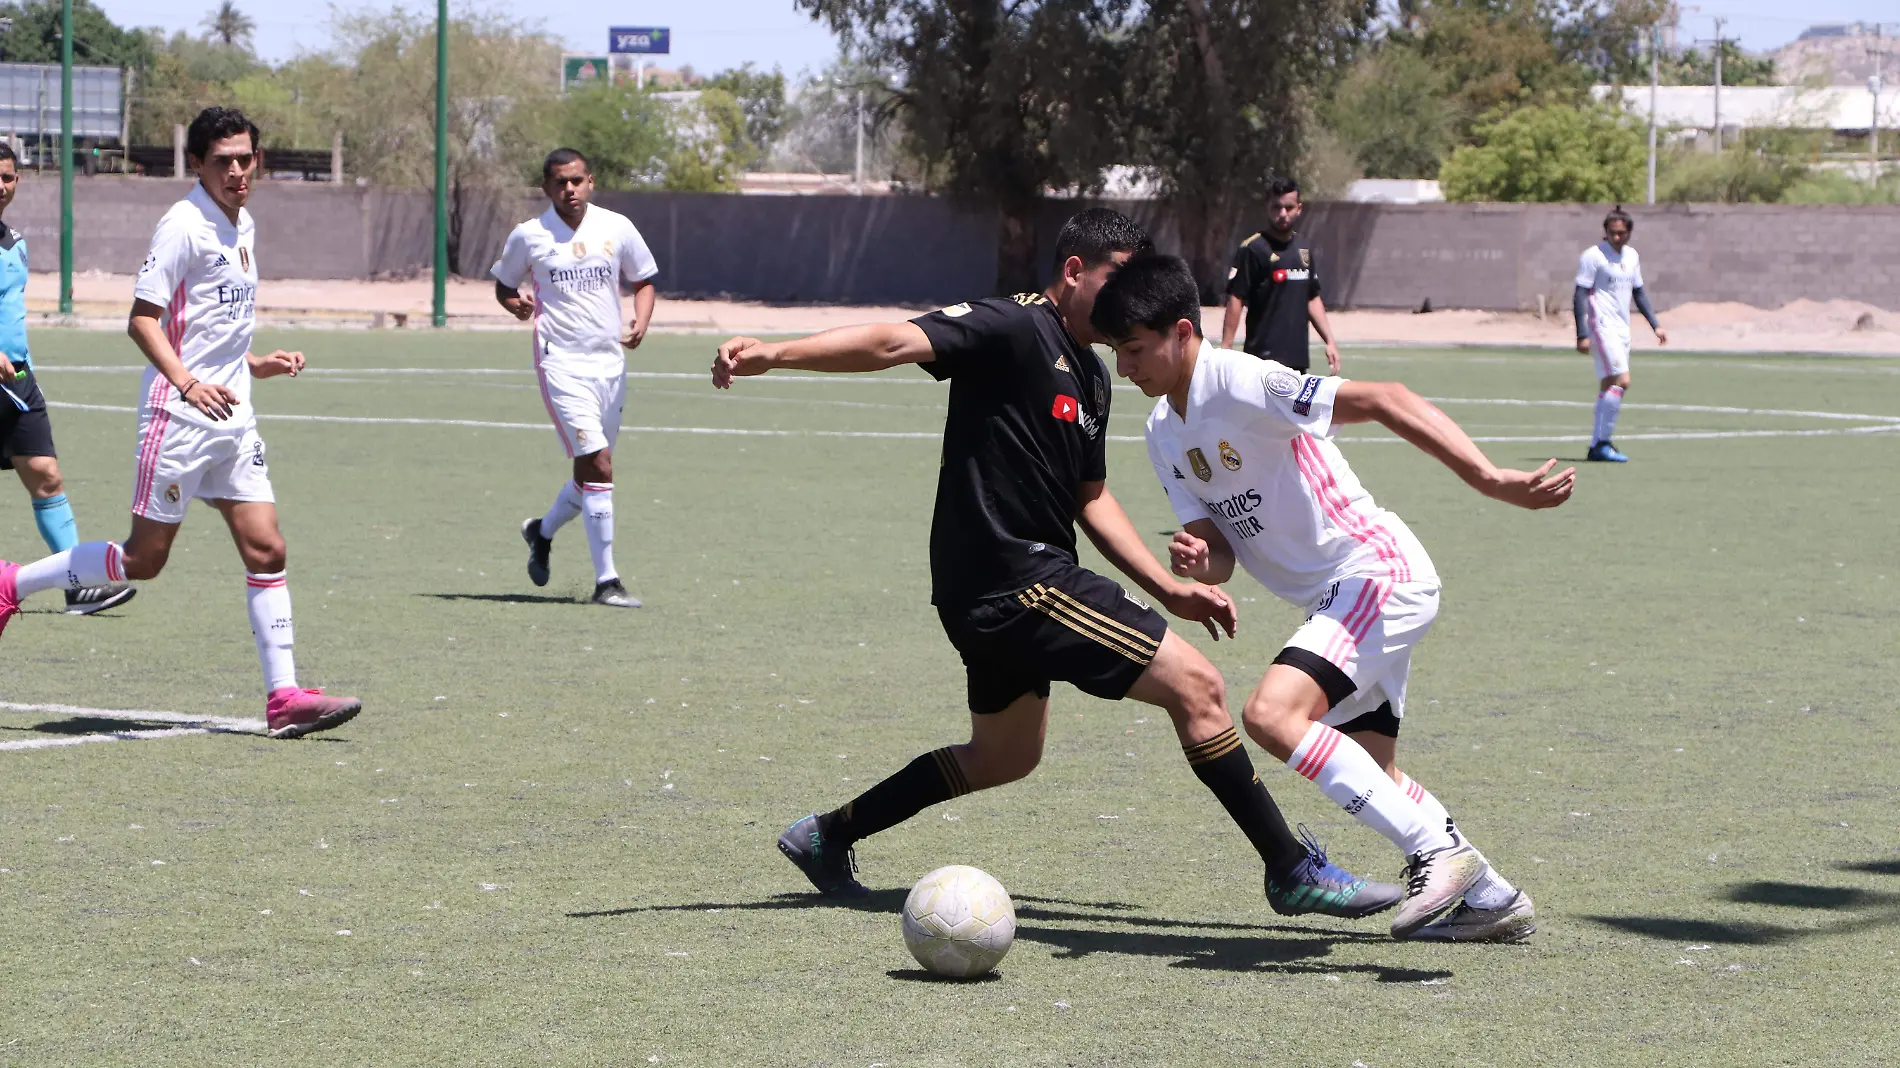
[832, 872]
[538, 550]
[89, 599]
[612, 594]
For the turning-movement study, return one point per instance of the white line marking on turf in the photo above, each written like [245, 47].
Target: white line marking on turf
[190, 725]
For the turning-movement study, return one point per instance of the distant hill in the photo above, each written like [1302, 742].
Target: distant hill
[1837, 55]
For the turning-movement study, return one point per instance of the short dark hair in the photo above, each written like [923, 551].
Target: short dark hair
[6, 152]
[1281, 186]
[1151, 290]
[216, 124]
[1095, 235]
[561, 157]
[1617, 214]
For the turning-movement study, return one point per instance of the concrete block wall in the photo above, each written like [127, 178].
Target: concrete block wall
[923, 250]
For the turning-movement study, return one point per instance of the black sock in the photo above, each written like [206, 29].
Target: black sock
[931, 779]
[1222, 764]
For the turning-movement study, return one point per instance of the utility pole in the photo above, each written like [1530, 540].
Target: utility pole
[66, 159]
[857, 171]
[1718, 82]
[1873, 124]
[1655, 46]
[440, 316]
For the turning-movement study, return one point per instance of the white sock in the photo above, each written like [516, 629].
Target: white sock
[92, 563]
[1491, 891]
[268, 597]
[597, 507]
[567, 505]
[1609, 406]
[1354, 781]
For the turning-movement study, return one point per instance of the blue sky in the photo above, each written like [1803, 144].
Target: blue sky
[712, 35]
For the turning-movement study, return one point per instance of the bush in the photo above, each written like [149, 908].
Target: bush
[1549, 153]
[1741, 175]
[1392, 115]
[1833, 187]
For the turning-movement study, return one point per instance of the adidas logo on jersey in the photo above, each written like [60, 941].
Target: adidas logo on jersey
[221, 261]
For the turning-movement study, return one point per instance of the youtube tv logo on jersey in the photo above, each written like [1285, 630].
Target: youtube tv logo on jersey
[1065, 408]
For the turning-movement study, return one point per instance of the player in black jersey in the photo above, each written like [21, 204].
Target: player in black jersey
[1023, 462]
[1275, 277]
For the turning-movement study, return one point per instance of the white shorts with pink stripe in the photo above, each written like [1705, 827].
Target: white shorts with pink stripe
[178, 461]
[585, 408]
[1366, 626]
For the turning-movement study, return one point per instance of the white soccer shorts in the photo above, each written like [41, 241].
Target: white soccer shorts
[1611, 353]
[1366, 626]
[585, 408]
[178, 461]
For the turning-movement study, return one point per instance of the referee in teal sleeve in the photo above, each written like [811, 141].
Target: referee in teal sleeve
[26, 431]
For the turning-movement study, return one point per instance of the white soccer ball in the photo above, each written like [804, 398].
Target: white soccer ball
[959, 921]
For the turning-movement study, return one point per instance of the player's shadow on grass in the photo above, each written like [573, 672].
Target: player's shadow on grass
[74, 726]
[503, 598]
[1884, 906]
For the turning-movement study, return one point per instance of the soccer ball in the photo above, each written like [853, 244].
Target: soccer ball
[959, 922]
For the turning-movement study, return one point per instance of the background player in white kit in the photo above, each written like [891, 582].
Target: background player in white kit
[576, 255]
[1609, 280]
[193, 311]
[1243, 448]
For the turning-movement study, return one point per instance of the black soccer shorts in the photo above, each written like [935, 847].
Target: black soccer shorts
[1075, 627]
[25, 428]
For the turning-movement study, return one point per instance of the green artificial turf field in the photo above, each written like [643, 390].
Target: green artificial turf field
[1667, 710]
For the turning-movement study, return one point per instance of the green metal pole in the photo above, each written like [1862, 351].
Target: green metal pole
[441, 316]
[66, 161]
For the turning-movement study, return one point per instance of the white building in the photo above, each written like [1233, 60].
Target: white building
[1843, 109]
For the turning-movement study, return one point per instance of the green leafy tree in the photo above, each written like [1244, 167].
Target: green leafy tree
[1696, 67]
[624, 132]
[228, 26]
[999, 100]
[97, 40]
[1392, 115]
[761, 97]
[1549, 153]
[1761, 169]
[1492, 54]
[708, 145]
[1215, 98]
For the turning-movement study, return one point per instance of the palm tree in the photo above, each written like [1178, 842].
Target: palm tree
[229, 26]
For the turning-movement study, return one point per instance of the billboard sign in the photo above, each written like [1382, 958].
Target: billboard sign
[640, 40]
[585, 70]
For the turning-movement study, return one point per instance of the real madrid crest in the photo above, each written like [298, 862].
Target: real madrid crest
[1228, 457]
[1198, 462]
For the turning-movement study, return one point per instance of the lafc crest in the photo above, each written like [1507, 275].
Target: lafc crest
[1306, 257]
[1198, 462]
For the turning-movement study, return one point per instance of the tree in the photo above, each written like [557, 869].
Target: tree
[1000, 100]
[1552, 152]
[1492, 53]
[761, 97]
[1391, 114]
[502, 89]
[822, 120]
[709, 147]
[624, 132]
[34, 37]
[1216, 94]
[1695, 67]
[228, 26]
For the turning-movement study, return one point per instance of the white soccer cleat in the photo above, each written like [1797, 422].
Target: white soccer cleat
[1434, 882]
[1514, 921]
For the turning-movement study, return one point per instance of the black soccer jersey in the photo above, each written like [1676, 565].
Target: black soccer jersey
[1028, 425]
[1276, 279]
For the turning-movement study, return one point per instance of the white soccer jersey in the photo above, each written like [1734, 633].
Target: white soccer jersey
[203, 271]
[1254, 454]
[1611, 277]
[576, 274]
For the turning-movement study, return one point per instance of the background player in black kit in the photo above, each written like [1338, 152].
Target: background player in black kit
[1023, 462]
[1275, 276]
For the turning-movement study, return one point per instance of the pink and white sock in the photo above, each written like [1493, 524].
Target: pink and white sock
[1354, 781]
[567, 505]
[1491, 891]
[92, 563]
[268, 597]
[597, 510]
[1609, 406]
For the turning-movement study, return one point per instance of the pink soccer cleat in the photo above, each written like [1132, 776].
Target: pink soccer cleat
[9, 592]
[293, 713]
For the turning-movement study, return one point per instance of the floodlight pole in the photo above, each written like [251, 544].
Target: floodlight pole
[66, 159]
[441, 313]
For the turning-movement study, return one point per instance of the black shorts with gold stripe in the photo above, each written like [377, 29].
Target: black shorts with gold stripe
[1075, 627]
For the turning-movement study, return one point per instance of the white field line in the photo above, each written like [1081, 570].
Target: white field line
[190, 725]
[1887, 424]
